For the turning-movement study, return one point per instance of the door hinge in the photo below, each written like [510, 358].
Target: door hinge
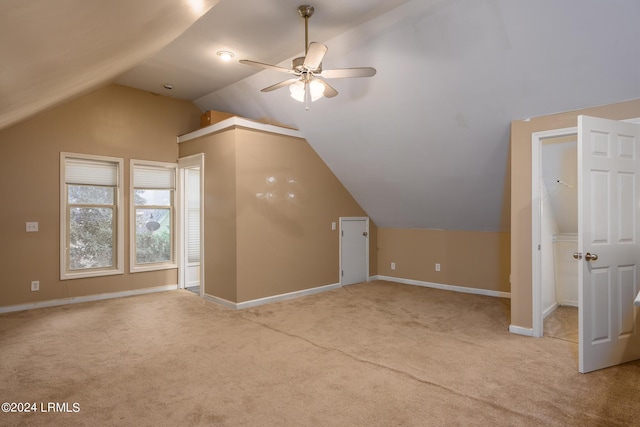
[342, 231]
[342, 274]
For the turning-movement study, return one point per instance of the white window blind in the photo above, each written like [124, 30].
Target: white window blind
[154, 178]
[89, 172]
[193, 215]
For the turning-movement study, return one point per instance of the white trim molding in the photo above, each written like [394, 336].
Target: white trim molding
[519, 330]
[239, 122]
[274, 298]
[87, 298]
[464, 289]
[536, 222]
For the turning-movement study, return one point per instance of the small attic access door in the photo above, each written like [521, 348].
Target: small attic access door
[354, 250]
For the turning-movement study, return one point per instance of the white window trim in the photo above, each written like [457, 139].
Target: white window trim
[133, 266]
[119, 267]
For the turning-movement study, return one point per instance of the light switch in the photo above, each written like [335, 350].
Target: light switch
[32, 226]
[333, 225]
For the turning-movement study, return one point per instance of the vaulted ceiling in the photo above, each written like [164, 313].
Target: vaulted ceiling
[424, 143]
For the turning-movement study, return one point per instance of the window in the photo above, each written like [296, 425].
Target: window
[152, 215]
[91, 225]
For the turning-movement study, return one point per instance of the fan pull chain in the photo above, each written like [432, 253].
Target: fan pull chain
[307, 95]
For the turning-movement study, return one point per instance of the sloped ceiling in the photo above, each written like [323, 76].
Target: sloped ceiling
[424, 143]
[52, 50]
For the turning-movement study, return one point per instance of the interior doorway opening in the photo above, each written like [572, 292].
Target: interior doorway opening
[608, 170]
[559, 236]
[553, 175]
[191, 271]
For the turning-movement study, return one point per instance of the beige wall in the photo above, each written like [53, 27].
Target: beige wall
[113, 121]
[280, 244]
[472, 259]
[219, 210]
[521, 299]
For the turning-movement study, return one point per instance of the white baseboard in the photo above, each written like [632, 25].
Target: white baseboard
[519, 330]
[569, 303]
[274, 298]
[549, 310]
[221, 301]
[86, 298]
[466, 290]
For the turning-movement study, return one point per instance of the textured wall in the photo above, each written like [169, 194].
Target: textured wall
[472, 259]
[269, 204]
[113, 121]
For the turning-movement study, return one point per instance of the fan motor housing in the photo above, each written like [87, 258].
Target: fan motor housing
[305, 11]
[297, 65]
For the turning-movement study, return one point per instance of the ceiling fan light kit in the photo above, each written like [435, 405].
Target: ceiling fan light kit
[307, 85]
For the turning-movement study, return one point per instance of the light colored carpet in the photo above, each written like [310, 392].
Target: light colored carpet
[563, 324]
[372, 354]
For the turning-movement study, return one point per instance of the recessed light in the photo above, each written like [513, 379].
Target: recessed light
[168, 86]
[225, 55]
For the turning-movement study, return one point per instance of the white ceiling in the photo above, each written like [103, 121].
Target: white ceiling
[424, 143]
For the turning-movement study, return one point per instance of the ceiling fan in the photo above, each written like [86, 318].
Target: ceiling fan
[307, 84]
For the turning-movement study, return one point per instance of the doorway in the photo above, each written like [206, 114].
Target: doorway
[559, 237]
[191, 271]
[354, 250]
[551, 176]
[607, 187]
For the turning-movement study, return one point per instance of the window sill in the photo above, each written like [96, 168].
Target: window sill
[89, 274]
[154, 267]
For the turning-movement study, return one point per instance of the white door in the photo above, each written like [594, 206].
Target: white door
[609, 242]
[354, 250]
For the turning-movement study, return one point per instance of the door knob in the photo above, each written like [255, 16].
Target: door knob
[577, 255]
[365, 234]
[591, 257]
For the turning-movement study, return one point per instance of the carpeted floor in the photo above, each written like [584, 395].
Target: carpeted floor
[563, 324]
[372, 354]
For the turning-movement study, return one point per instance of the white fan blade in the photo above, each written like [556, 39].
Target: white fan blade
[266, 66]
[314, 56]
[329, 92]
[279, 85]
[341, 73]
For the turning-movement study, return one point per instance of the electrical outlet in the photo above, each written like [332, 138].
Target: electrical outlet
[437, 267]
[393, 265]
[32, 227]
[35, 285]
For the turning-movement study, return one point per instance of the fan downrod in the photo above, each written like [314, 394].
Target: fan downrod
[305, 11]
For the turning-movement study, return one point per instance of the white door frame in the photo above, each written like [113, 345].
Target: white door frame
[536, 218]
[353, 218]
[196, 160]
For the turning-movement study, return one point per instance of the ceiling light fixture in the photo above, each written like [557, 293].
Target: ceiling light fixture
[225, 55]
[299, 88]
